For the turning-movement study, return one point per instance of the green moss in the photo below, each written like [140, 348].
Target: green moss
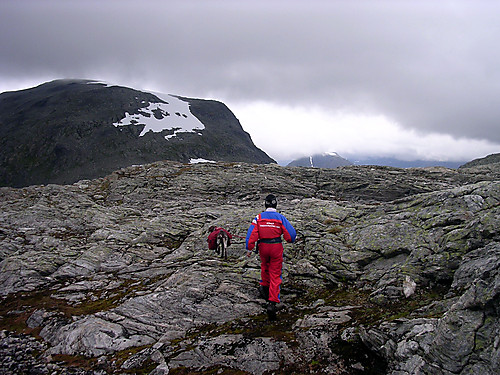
[480, 344]
[16, 308]
[335, 229]
[282, 329]
[78, 361]
[256, 326]
[370, 313]
[120, 357]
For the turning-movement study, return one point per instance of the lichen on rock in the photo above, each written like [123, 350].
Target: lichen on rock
[396, 271]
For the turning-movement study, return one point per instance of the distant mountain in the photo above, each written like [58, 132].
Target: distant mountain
[333, 160]
[490, 159]
[398, 163]
[66, 130]
[326, 160]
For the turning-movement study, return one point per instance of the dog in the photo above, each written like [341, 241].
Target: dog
[218, 240]
[222, 244]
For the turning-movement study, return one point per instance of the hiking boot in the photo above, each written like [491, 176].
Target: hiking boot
[271, 310]
[264, 292]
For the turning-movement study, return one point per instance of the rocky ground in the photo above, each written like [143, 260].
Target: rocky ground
[396, 272]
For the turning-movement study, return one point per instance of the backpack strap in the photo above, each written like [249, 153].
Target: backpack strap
[258, 231]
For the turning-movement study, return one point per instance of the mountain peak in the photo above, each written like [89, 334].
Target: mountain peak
[325, 160]
[66, 130]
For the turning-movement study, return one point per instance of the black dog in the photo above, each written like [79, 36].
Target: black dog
[222, 244]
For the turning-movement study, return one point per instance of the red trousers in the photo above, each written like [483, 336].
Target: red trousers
[271, 265]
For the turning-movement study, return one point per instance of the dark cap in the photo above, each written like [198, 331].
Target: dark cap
[271, 201]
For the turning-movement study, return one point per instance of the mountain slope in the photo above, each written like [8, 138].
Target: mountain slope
[326, 160]
[67, 130]
[399, 163]
[487, 160]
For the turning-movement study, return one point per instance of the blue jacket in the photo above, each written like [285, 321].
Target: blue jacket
[269, 224]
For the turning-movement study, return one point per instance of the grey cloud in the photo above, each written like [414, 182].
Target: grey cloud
[430, 66]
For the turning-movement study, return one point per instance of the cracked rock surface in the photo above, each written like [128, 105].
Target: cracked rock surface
[396, 272]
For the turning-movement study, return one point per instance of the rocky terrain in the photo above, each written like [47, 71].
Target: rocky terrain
[396, 272]
[67, 130]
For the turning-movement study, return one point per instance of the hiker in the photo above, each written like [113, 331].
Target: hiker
[212, 237]
[266, 230]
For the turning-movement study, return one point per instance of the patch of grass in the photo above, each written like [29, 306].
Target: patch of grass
[15, 309]
[146, 368]
[371, 313]
[16, 322]
[78, 361]
[118, 358]
[352, 355]
[335, 229]
[173, 242]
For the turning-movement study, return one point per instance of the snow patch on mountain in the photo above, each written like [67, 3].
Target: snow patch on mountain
[196, 161]
[170, 113]
[174, 115]
[332, 154]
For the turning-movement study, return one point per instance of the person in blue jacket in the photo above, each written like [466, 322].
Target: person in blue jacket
[266, 231]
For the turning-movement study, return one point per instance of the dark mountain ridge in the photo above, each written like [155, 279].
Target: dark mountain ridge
[66, 130]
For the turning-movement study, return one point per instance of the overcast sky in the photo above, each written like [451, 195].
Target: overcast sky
[408, 79]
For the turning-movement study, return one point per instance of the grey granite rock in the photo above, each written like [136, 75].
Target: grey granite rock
[396, 271]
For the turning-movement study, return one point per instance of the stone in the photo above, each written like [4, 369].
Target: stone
[409, 286]
[91, 336]
[400, 267]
